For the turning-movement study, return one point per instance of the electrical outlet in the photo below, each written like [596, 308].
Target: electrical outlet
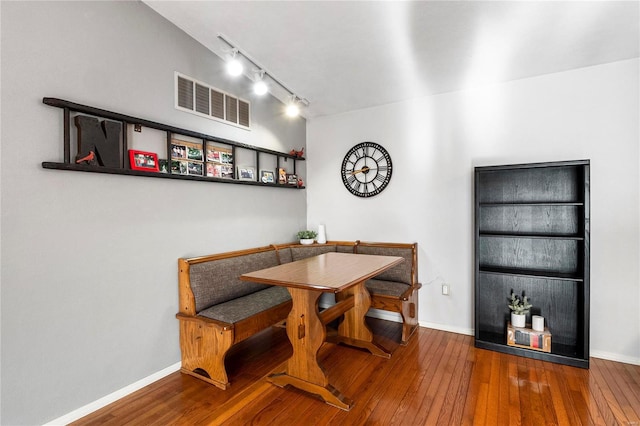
[445, 289]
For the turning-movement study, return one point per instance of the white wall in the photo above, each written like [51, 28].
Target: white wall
[435, 142]
[89, 261]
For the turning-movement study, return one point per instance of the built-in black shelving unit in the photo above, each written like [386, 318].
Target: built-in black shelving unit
[532, 236]
[71, 108]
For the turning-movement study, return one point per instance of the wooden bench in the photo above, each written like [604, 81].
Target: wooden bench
[218, 310]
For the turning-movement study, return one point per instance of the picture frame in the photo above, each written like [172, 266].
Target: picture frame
[194, 153]
[143, 160]
[194, 168]
[163, 165]
[247, 173]
[267, 176]
[178, 150]
[179, 167]
[227, 171]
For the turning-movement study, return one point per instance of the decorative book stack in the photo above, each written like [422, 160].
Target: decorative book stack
[529, 338]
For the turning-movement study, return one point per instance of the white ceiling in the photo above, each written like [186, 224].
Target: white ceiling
[344, 56]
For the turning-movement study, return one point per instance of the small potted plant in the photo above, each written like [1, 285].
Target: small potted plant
[519, 308]
[306, 237]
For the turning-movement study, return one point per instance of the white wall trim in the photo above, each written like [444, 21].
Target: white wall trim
[615, 357]
[444, 327]
[112, 397]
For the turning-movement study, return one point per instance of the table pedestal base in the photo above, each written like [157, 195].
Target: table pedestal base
[328, 393]
[307, 332]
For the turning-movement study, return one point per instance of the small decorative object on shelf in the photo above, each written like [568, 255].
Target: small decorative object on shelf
[306, 237]
[282, 176]
[519, 308]
[141, 160]
[292, 179]
[537, 323]
[322, 235]
[295, 153]
[529, 338]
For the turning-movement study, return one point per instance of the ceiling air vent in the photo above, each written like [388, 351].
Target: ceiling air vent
[201, 99]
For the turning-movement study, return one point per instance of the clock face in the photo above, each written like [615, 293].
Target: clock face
[366, 169]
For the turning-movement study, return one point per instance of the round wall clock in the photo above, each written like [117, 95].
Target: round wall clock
[366, 169]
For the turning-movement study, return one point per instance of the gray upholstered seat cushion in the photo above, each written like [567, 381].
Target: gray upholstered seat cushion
[246, 306]
[387, 288]
[218, 281]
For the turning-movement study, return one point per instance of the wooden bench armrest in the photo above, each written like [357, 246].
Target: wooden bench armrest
[219, 324]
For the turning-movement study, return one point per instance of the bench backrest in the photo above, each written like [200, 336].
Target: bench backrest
[216, 279]
[406, 272]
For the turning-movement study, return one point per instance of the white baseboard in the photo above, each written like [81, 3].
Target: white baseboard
[615, 357]
[444, 327]
[112, 397]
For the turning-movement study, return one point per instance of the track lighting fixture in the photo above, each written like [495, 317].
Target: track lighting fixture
[234, 66]
[260, 87]
[293, 110]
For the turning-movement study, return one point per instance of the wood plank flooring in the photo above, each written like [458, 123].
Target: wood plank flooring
[440, 378]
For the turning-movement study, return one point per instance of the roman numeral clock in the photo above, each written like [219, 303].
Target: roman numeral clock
[366, 169]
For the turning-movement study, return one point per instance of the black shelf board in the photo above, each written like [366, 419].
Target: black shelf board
[532, 236]
[529, 204]
[128, 172]
[561, 354]
[530, 273]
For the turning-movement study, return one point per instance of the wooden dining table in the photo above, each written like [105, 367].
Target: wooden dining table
[343, 274]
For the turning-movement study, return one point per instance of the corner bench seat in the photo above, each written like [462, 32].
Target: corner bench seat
[218, 310]
[247, 306]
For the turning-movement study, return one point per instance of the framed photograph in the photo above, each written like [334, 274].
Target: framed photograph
[213, 155]
[194, 169]
[164, 165]
[267, 176]
[282, 176]
[214, 170]
[178, 151]
[179, 167]
[227, 172]
[226, 157]
[141, 160]
[194, 153]
[246, 173]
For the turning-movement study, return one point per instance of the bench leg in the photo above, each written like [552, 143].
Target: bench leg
[204, 348]
[409, 317]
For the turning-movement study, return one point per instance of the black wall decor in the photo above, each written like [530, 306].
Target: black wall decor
[532, 236]
[103, 146]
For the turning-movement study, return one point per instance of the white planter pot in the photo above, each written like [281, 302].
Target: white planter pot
[306, 241]
[518, 320]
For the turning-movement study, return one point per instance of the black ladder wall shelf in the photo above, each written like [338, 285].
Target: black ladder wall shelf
[126, 120]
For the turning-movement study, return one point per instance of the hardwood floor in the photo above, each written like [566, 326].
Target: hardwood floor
[440, 378]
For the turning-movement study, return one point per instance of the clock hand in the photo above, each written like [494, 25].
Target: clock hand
[364, 169]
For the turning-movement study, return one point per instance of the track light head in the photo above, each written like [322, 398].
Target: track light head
[234, 66]
[259, 86]
[293, 110]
